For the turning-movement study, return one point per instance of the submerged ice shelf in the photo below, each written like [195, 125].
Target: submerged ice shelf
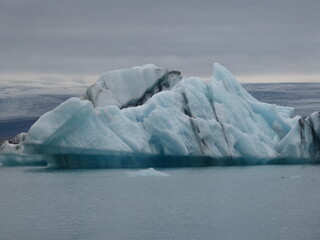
[151, 117]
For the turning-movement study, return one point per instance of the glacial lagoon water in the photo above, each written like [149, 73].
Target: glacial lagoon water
[254, 202]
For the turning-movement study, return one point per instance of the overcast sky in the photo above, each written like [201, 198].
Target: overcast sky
[79, 39]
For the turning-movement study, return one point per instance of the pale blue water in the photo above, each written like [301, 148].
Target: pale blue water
[247, 203]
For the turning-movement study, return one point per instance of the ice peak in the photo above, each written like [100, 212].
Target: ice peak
[132, 86]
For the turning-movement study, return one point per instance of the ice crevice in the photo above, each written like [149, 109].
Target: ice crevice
[194, 127]
[222, 128]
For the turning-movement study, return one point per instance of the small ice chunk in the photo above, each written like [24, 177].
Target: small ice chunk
[150, 172]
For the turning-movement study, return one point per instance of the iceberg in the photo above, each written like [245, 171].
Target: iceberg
[147, 116]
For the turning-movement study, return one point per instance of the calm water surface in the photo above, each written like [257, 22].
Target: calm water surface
[257, 202]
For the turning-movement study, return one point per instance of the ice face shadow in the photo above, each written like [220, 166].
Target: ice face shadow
[76, 158]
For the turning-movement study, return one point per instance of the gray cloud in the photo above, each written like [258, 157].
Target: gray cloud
[90, 37]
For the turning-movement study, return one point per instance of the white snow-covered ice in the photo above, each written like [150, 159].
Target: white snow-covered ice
[150, 172]
[155, 111]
